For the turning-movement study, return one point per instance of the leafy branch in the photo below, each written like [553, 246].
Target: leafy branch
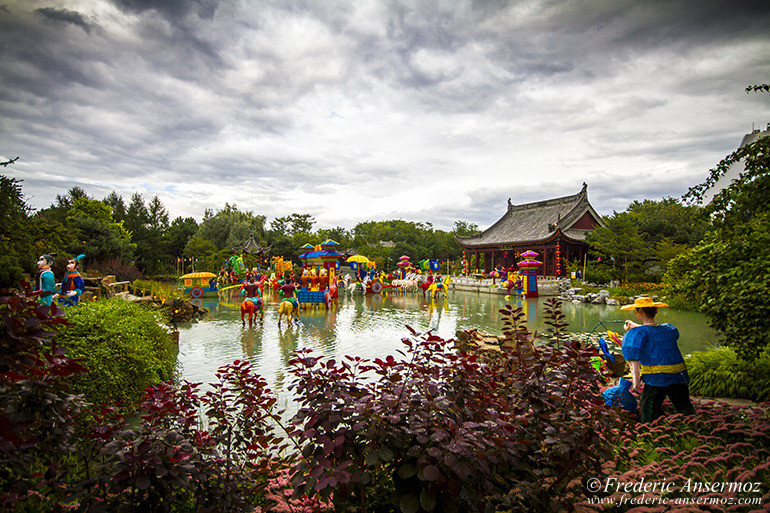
[758, 88]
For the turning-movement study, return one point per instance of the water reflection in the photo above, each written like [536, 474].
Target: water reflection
[251, 341]
[373, 326]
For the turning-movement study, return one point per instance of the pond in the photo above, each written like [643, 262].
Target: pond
[372, 326]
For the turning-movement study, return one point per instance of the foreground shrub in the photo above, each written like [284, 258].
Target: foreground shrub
[449, 430]
[169, 462]
[125, 347]
[719, 455]
[60, 453]
[720, 373]
[37, 413]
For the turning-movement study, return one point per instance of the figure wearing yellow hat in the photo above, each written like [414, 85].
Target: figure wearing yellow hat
[654, 357]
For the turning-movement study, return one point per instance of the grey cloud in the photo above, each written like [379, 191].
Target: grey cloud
[154, 100]
[66, 16]
[171, 8]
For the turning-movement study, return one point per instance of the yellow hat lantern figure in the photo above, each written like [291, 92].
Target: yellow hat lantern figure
[644, 302]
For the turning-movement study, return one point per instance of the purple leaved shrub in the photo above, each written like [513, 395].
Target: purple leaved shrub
[439, 428]
[720, 455]
[448, 429]
[184, 451]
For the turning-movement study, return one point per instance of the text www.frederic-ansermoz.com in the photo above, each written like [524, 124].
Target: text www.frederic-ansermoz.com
[690, 492]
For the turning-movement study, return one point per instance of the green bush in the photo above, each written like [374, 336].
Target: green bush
[720, 373]
[724, 276]
[125, 346]
[162, 291]
[598, 274]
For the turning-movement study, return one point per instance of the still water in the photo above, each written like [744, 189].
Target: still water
[373, 326]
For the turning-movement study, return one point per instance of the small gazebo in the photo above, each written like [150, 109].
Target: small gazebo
[251, 247]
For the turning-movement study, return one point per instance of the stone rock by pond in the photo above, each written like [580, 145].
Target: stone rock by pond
[472, 338]
[182, 310]
[601, 298]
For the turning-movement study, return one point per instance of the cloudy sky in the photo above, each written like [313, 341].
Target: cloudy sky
[356, 110]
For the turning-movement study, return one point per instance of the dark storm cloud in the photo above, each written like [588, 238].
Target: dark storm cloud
[32, 58]
[278, 103]
[171, 8]
[65, 16]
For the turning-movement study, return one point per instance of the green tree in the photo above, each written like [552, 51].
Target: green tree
[178, 235]
[465, 229]
[620, 241]
[63, 203]
[117, 205]
[668, 228]
[204, 251]
[14, 242]
[96, 234]
[282, 245]
[156, 255]
[231, 226]
[726, 276]
[293, 224]
[668, 219]
[337, 234]
[24, 237]
[148, 224]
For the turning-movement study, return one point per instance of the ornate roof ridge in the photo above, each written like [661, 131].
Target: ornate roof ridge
[538, 220]
[553, 201]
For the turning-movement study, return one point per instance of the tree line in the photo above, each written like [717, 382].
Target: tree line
[136, 237]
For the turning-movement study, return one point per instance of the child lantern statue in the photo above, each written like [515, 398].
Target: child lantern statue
[45, 283]
[72, 285]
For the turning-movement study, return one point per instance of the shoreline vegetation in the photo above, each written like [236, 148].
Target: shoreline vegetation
[435, 429]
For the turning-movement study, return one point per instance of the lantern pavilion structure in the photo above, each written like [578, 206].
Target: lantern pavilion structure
[556, 229]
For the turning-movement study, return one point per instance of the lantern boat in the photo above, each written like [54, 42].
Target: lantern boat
[199, 285]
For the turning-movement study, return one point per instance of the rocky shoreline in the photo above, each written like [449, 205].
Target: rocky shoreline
[575, 294]
[474, 338]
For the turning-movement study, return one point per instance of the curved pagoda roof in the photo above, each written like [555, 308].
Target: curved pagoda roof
[250, 246]
[529, 223]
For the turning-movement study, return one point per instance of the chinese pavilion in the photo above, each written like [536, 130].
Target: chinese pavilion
[252, 247]
[554, 228]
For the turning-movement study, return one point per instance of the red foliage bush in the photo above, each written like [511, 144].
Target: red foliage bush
[450, 430]
[719, 455]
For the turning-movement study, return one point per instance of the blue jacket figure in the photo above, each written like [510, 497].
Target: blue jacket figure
[72, 285]
[654, 357]
[44, 281]
[620, 396]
